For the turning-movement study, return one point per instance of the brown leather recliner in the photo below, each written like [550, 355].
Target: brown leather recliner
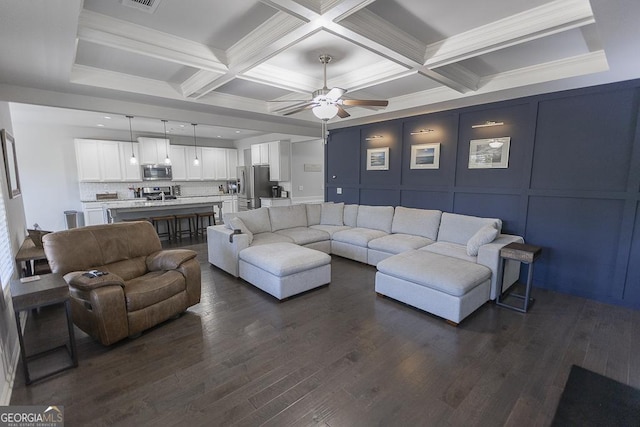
[145, 285]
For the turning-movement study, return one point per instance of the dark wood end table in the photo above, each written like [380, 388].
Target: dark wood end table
[526, 254]
[49, 290]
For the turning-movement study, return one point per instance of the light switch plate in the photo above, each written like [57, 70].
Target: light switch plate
[339, 190]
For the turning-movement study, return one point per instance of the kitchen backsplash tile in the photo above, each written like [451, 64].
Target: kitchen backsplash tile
[88, 190]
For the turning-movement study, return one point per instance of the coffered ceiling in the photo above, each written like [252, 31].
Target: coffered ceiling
[234, 58]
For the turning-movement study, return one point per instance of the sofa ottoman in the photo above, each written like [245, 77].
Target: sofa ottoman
[284, 269]
[447, 287]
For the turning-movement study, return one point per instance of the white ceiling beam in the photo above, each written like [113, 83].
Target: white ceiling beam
[337, 11]
[283, 78]
[542, 21]
[454, 74]
[107, 31]
[383, 71]
[305, 11]
[197, 81]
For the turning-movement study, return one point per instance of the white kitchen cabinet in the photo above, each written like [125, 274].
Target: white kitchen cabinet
[99, 161]
[178, 162]
[232, 163]
[153, 150]
[130, 172]
[280, 160]
[209, 163]
[194, 172]
[229, 204]
[260, 154]
[93, 215]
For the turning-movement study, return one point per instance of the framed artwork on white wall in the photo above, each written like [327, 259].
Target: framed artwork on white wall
[425, 156]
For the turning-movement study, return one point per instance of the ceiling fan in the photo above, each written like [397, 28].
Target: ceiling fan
[327, 103]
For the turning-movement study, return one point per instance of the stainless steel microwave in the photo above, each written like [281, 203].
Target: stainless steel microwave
[156, 172]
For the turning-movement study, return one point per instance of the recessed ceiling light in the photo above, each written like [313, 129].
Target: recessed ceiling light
[237, 131]
[181, 126]
[107, 117]
[219, 136]
[100, 125]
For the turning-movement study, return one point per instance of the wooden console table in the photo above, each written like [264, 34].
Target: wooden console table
[527, 254]
[50, 289]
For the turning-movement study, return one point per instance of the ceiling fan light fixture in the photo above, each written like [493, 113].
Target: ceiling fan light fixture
[325, 111]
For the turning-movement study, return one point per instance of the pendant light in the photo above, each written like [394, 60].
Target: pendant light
[167, 160]
[133, 159]
[196, 161]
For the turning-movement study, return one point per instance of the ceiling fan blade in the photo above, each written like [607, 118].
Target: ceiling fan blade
[342, 113]
[335, 93]
[297, 110]
[365, 102]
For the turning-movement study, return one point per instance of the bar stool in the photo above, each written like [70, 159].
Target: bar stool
[200, 217]
[191, 230]
[168, 220]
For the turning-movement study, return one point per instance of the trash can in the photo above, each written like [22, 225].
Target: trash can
[72, 219]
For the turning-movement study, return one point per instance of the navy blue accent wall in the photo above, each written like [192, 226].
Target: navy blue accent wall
[572, 184]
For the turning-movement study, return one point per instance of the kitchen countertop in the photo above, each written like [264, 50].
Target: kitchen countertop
[143, 201]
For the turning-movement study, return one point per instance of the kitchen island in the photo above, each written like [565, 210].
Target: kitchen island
[102, 212]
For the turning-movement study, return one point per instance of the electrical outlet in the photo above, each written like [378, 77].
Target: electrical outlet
[300, 188]
[339, 190]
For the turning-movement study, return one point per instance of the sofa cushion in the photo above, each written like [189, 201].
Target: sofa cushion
[313, 213]
[284, 259]
[459, 229]
[396, 243]
[351, 215]
[453, 250]
[357, 236]
[287, 217]
[256, 220]
[332, 214]
[266, 238]
[418, 222]
[486, 234]
[152, 288]
[375, 217]
[331, 229]
[305, 235]
[237, 224]
[442, 273]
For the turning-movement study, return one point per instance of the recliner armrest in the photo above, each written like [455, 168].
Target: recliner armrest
[77, 280]
[169, 259]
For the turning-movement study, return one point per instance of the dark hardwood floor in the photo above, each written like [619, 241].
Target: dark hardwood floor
[335, 356]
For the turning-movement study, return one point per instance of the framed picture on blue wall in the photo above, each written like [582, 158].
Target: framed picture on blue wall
[378, 159]
[490, 153]
[425, 156]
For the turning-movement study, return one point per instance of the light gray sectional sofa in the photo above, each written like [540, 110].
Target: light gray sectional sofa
[386, 237]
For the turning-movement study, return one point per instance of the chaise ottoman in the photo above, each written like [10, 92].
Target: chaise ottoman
[445, 286]
[284, 269]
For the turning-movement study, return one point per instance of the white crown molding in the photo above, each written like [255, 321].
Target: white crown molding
[107, 31]
[305, 10]
[459, 74]
[542, 21]
[273, 35]
[282, 78]
[588, 63]
[373, 27]
[380, 72]
[197, 81]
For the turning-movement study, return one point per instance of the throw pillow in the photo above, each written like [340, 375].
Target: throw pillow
[486, 234]
[332, 214]
[237, 224]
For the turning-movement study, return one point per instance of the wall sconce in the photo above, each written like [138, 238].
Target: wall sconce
[422, 131]
[487, 124]
[374, 137]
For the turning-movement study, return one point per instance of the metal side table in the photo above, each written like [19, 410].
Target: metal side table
[49, 290]
[526, 254]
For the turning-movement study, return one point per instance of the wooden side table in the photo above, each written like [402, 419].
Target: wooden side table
[49, 290]
[526, 254]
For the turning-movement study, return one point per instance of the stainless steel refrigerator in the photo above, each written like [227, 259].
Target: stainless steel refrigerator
[253, 183]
